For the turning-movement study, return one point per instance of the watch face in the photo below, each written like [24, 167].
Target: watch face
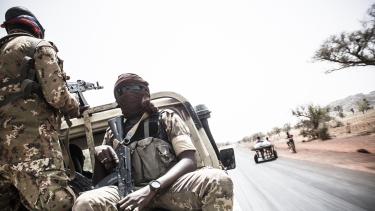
[155, 184]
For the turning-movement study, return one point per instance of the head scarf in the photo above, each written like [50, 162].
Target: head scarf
[22, 18]
[133, 103]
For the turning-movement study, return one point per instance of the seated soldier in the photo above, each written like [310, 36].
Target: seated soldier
[258, 140]
[259, 145]
[163, 160]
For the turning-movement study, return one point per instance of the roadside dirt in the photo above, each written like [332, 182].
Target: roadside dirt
[341, 150]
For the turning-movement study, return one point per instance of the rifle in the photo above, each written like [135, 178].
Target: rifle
[122, 174]
[79, 87]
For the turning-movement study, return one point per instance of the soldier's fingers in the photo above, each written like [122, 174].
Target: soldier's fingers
[108, 155]
[113, 155]
[100, 157]
[128, 208]
[136, 209]
[124, 203]
[97, 151]
[108, 166]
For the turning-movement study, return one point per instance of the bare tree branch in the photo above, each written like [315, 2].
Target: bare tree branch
[350, 49]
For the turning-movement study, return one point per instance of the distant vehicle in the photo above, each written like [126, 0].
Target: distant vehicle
[264, 151]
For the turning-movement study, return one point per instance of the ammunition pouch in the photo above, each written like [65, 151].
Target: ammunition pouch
[29, 87]
[151, 158]
[27, 77]
[27, 80]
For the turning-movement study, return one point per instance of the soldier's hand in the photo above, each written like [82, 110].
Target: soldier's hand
[82, 109]
[137, 200]
[106, 155]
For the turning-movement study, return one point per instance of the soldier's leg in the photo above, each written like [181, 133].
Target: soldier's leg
[262, 152]
[43, 185]
[204, 189]
[101, 199]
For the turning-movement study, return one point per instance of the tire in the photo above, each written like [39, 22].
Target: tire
[294, 148]
[275, 154]
[256, 158]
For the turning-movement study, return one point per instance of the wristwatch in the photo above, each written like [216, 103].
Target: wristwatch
[154, 185]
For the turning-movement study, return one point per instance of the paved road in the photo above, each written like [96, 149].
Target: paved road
[287, 184]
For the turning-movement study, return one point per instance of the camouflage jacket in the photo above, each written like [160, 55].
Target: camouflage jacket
[28, 126]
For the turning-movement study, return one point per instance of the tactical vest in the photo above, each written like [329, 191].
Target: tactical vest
[27, 73]
[152, 153]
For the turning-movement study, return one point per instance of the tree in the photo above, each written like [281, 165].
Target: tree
[276, 130]
[313, 121]
[350, 48]
[363, 105]
[255, 135]
[339, 110]
[287, 127]
[246, 139]
[269, 134]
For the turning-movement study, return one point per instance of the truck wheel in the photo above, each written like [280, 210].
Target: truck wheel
[275, 154]
[256, 158]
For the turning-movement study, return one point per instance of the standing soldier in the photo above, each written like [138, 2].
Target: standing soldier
[33, 96]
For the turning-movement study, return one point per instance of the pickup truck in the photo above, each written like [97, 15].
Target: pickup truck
[88, 131]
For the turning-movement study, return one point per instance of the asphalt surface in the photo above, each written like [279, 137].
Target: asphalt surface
[287, 184]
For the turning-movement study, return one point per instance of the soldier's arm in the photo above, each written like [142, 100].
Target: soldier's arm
[52, 80]
[105, 158]
[180, 138]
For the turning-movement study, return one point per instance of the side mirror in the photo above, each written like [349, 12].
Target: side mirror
[227, 158]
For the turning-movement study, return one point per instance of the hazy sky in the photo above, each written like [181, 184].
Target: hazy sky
[248, 61]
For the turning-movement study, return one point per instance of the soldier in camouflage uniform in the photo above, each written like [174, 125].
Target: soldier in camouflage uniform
[31, 162]
[163, 161]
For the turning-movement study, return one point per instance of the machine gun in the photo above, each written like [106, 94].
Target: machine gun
[79, 87]
[122, 174]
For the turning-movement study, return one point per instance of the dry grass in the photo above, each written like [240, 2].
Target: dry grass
[358, 124]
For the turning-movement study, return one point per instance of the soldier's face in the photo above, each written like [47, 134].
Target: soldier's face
[131, 98]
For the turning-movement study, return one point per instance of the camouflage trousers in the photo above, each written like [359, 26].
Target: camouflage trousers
[38, 184]
[204, 189]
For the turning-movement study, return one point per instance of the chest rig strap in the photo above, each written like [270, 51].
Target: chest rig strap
[146, 128]
[132, 131]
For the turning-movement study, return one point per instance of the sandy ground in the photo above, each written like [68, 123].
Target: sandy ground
[339, 151]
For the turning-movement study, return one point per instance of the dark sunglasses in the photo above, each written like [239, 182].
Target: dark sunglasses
[130, 88]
